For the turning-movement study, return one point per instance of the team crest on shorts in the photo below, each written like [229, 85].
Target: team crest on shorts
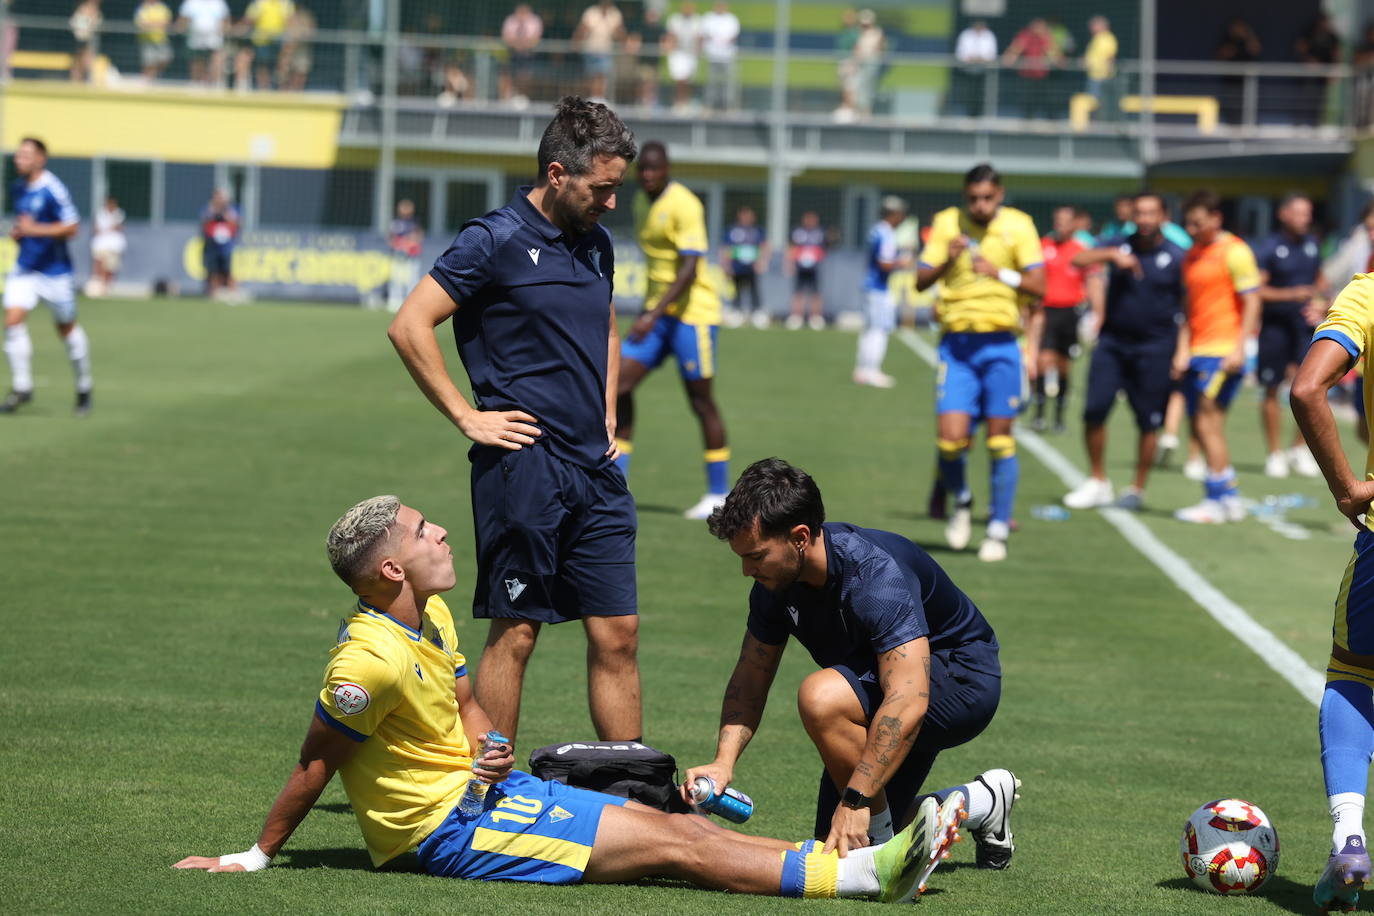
[559, 813]
[351, 699]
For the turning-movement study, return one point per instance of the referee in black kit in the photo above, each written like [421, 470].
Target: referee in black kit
[529, 289]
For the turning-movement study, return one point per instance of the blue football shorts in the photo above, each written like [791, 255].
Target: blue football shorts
[1205, 379]
[980, 375]
[692, 345]
[532, 830]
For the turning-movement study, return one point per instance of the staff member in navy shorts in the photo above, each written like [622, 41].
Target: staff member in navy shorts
[529, 289]
[1138, 334]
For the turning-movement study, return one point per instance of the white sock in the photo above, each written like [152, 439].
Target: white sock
[979, 800]
[857, 875]
[1347, 818]
[79, 352]
[880, 827]
[872, 349]
[19, 351]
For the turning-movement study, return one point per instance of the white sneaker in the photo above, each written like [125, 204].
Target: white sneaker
[1302, 462]
[759, 319]
[816, 323]
[992, 839]
[959, 528]
[1195, 469]
[1235, 508]
[1207, 512]
[795, 322]
[705, 506]
[1090, 494]
[992, 550]
[731, 318]
[1276, 465]
[874, 378]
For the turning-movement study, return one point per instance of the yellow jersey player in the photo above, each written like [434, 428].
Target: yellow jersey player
[681, 317]
[1346, 724]
[398, 720]
[1223, 283]
[988, 261]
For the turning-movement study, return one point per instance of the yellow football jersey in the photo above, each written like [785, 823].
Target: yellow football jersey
[970, 301]
[671, 226]
[391, 689]
[1350, 323]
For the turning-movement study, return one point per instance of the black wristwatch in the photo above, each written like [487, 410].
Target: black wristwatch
[853, 798]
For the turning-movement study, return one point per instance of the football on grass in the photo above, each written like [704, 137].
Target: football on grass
[1230, 847]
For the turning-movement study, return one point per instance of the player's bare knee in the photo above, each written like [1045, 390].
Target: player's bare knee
[515, 639]
[615, 637]
[822, 698]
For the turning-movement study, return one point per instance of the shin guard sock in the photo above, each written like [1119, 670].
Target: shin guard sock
[809, 874]
[19, 352]
[718, 471]
[953, 463]
[79, 352]
[1346, 728]
[1004, 472]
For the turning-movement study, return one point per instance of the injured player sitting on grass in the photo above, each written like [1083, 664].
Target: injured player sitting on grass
[397, 718]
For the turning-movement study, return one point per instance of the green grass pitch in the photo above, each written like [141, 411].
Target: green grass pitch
[169, 612]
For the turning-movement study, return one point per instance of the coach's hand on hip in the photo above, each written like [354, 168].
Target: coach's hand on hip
[510, 429]
[848, 830]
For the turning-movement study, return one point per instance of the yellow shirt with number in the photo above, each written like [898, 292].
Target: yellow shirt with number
[1350, 323]
[669, 227]
[969, 301]
[390, 688]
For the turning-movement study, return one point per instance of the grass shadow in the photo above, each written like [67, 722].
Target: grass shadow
[350, 858]
[335, 808]
[1281, 891]
[657, 509]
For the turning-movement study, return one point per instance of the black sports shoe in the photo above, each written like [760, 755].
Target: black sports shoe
[992, 839]
[83, 403]
[15, 400]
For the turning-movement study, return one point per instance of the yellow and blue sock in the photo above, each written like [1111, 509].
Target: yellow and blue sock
[626, 450]
[1220, 483]
[1004, 472]
[952, 462]
[1346, 727]
[809, 874]
[718, 471]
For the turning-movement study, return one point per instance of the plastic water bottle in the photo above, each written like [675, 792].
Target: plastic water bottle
[475, 795]
[1050, 513]
[731, 804]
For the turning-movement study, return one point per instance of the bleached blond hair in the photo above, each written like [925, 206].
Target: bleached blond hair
[356, 536]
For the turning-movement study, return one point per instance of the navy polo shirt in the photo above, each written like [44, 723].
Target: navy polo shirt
[1148, 308]
[533, 322]
[880, 591]
[1289, 262]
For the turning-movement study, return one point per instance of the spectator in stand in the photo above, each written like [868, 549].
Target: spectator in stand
[860, 72]
[720, 46]
[1034, 55]
[976, 51]
[804, 257]
[204, 22]
[1099, 62]
[219, 229]
[744, 256]
[456, 85]
[406, 239]
[1319, 46]
[1239, 45]
[296, 58]
[85, 24]
[107, 247]
[683, 45]
[267, 19]
[521, 33]
[600, 29]
[645, 44]
[1364, 77]
[153, 18]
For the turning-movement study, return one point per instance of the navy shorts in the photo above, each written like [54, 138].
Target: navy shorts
[555, 540]
[218, 259]
[1284, 338]
[963, 699]
[1141, 370]
[808, 280]
[1061, 330]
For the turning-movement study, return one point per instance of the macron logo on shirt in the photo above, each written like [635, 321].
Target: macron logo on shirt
[534, 256]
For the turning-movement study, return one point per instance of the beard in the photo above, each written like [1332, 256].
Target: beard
[574, 217]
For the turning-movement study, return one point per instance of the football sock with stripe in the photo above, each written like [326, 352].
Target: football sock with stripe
[1005, 472]
[1220, 483]
[626, 450]
[812, 874]
[953, 463]
[79, 352]
[978, 800]
[718, 471]
[19, 352]
[1346, 727]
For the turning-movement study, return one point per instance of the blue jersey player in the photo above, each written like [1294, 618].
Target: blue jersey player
[880, 311]
[403, 745]
[1292, 294]
[529, 287]
[45, 219]
[908, 664]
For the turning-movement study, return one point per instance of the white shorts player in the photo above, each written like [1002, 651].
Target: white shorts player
[24, 288]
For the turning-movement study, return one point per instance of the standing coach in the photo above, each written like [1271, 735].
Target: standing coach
[529, 289]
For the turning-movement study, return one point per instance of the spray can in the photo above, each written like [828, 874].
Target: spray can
[475, 795]
[731, 804]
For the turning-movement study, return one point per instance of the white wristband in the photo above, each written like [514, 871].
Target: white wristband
[252, 860]
[1009, 277]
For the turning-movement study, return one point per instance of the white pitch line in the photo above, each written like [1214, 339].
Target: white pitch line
[1233, 618]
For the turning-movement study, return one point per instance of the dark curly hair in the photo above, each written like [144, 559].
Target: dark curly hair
[580, 132]
[777, 494]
